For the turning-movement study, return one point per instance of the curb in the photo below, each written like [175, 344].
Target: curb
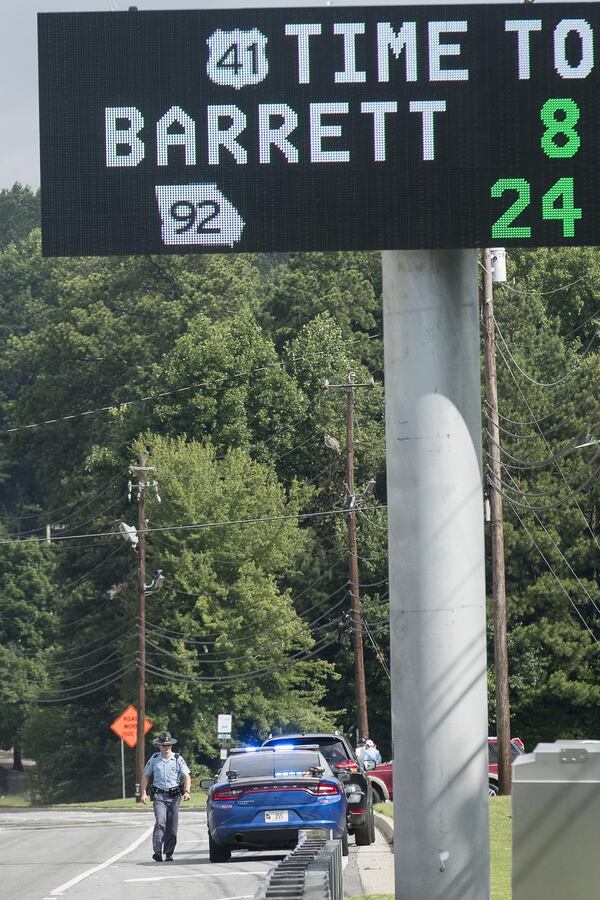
[386, 827]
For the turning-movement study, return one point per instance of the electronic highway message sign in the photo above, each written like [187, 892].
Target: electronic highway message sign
[301, 129]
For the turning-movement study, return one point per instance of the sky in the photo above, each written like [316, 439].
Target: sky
[19, 149]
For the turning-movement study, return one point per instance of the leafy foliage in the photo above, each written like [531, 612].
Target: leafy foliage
[217, 367]
[19, 213]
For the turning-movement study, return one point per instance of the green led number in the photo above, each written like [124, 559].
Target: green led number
[557, 203]
[560, 116]
[503, 227]
[567, 211]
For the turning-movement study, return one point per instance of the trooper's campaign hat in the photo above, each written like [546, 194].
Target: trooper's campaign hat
[164, 738]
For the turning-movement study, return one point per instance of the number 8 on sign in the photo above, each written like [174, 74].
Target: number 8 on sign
[237, 58]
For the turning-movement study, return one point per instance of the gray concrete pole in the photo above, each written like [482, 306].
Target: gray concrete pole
[437, 577]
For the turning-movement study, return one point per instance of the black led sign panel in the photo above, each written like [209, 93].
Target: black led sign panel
[319, 129]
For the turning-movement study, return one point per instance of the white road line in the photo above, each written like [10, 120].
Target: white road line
[188, 875]
[69, 884]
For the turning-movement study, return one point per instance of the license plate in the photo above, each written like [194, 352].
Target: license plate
[276, 815]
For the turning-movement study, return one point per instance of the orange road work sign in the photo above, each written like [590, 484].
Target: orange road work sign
[125, 726]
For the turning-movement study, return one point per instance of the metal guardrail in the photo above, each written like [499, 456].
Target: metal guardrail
[312, 871]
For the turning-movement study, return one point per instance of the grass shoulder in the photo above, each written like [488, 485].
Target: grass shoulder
[386, 809]
[374, 897]
[500, 846]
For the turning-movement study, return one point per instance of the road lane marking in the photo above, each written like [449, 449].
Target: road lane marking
[69, 884]
[188, 875]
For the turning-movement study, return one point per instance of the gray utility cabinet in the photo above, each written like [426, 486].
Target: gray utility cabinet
[556, 822]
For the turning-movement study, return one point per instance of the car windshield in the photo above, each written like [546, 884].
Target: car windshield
[333, 750]
[515, 751]
[279, 764]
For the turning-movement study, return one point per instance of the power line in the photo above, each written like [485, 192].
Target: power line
[563, 287]
[532, 507]
[198, 526]
[62, 657]
[378, 653]
[295, 659]
[568, 564]
[51, 513]
[543, 384]
[249, 636]
[122, 404]
[117, 676]
[519, 388]
[564, 590]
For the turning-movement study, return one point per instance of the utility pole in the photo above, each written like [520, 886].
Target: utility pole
[359, 660]
[497, 534]
[141, 655]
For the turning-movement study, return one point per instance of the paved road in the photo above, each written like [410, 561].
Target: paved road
[107, 856]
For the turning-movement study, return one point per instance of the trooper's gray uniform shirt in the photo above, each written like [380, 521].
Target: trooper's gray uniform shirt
[166, 774]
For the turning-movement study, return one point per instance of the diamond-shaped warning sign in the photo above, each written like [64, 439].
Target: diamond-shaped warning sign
[125, 726]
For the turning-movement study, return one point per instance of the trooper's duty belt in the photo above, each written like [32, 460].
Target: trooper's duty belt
[169, 792]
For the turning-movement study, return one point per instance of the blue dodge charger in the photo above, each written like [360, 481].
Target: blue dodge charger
[262, 799]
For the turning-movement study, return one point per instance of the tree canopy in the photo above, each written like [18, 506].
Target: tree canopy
[216, 367]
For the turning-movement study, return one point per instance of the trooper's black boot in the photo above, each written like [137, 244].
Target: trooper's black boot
[157, 857]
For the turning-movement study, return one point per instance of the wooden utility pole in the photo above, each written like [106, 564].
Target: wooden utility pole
[141, 661]
[362, 718]
[497, 533]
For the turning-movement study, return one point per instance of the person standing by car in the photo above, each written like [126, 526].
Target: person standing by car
[360, 751]
[166, 770]
[371, 752]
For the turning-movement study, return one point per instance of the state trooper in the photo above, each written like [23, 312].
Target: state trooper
[166, 770]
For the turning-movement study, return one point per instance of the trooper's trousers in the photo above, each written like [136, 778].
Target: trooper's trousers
[166, 814]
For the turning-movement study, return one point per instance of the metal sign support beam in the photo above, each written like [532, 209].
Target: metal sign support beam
[437, 576]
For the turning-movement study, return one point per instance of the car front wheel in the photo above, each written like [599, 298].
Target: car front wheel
[378, 794]
[216, 853]
[492, 789]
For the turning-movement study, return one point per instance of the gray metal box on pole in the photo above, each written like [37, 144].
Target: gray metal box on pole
[556, 814]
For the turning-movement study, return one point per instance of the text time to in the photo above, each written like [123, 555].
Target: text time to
[318, 129]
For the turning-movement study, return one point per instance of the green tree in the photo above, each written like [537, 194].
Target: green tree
[346, 285]
[28, 617]
[547, 394]
[226, 636]
[19, 213]
[87, 334]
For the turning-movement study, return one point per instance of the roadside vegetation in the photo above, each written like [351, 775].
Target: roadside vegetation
[500, 845]
[215, 366]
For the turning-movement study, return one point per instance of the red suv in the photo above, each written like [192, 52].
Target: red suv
[382, 776]
[516, 748]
